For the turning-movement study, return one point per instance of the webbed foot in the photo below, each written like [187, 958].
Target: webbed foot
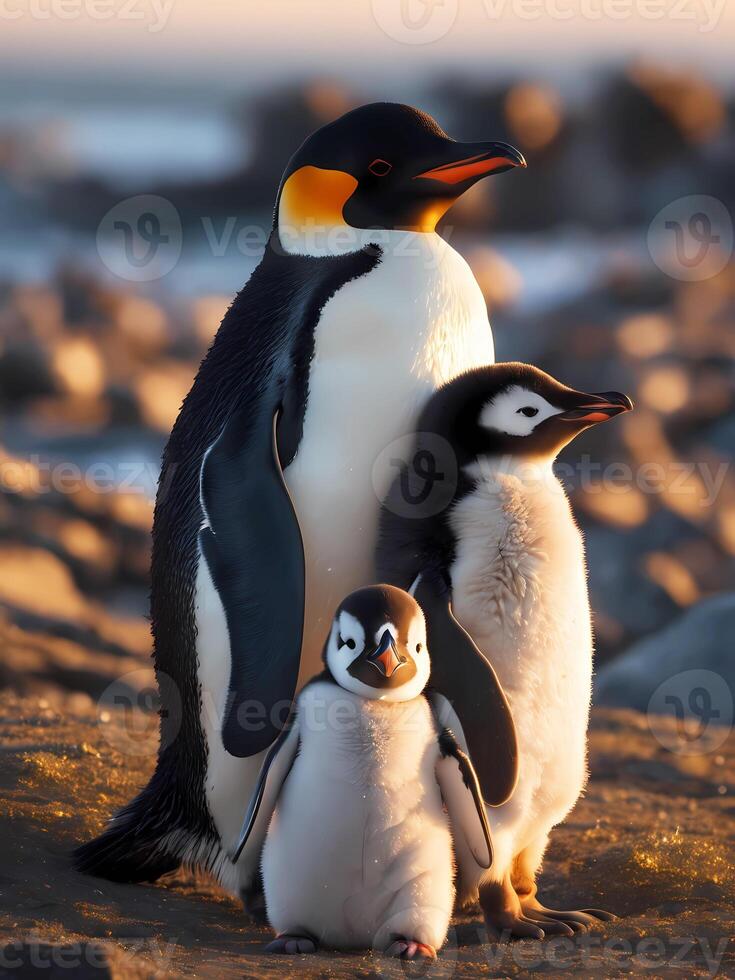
[504, 917]
[575, 920]
[409, 949]
[292, 944]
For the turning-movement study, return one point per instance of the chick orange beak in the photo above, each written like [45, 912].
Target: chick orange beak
[598, 408]
[385, 657]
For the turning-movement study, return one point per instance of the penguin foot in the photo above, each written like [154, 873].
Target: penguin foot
[291, 944]
[505, 926]
[576, 920]
[504, 917]
[409, 949]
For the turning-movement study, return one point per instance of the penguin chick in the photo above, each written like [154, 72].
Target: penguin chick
[504, 543]
[358, 853]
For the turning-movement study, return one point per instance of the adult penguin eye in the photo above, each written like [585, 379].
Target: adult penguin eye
[380, 167]
[350, 644]
[529, 411]
[418, 648]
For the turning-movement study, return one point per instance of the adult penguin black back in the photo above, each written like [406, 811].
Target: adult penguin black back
[269, 494]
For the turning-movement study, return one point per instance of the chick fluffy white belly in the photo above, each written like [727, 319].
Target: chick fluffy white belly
[359, 848]
[519, 587]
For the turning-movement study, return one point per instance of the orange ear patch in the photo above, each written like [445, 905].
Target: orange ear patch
[315, 197]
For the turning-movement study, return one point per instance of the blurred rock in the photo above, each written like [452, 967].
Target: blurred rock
[701, 639]
[161, 391]
[499, 281]
[621, 591]
[25, 371]
[655, 113]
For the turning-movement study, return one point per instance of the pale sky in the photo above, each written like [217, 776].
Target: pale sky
[273, 38]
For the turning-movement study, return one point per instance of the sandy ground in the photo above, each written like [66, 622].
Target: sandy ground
[653, 840]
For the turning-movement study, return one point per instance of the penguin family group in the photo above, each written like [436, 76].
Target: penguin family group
[382, 667]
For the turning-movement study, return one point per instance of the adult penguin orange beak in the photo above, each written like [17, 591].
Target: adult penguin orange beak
[470, 161]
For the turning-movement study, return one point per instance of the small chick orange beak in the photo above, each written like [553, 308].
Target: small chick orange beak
[385, 658]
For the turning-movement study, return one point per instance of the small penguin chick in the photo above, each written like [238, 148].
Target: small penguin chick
[376, 647]
[362, 796]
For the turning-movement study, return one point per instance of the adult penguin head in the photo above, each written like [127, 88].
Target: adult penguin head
[381, 166]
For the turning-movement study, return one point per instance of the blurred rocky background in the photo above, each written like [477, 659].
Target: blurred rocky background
[577, 258]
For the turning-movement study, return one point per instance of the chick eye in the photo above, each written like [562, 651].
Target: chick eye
[528, 411]
[418, 648]
[350, 644]
[380, 167]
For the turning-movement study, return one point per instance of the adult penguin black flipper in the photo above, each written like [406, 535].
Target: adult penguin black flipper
[467, 681]
[250, 541]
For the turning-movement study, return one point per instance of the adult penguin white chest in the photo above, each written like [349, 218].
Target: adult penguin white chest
[383, 344]
[270, 489]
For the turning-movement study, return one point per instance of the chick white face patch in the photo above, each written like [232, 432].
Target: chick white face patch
[516, 411]
[347, 641]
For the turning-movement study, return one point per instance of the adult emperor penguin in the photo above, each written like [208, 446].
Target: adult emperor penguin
[356, 314]
[358, 852]
[500, 539]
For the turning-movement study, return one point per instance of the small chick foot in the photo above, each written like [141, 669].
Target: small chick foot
[291, 944]
[409, 949]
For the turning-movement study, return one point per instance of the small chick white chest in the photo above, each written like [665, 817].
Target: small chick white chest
[359, 834]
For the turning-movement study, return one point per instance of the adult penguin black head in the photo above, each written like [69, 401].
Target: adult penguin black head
[383, 165]
[377, 645]
[515, 410]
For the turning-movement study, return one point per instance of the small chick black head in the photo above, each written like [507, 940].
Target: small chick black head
[384, 165]
[515, 409]
[377, 644]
